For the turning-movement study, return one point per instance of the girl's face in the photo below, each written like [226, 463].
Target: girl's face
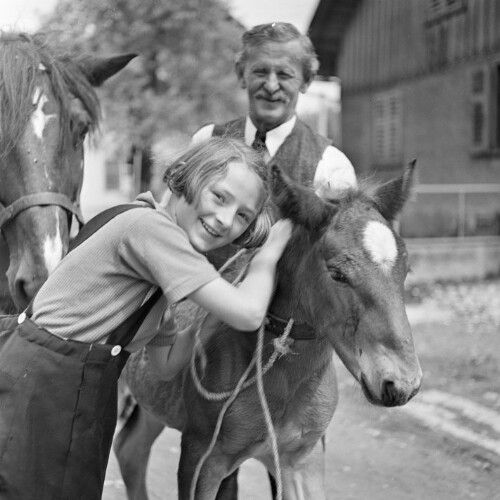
[223, 210]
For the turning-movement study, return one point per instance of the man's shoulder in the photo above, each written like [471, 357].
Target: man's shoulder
[232, 128]
[306, 131]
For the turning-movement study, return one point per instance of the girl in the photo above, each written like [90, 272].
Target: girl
[59, 370]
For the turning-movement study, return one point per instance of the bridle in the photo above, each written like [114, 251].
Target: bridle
[44, 198]
[10, 212]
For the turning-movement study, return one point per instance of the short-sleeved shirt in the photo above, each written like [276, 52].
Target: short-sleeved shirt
[105, 279]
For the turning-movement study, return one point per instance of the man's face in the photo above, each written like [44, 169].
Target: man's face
[273, 78]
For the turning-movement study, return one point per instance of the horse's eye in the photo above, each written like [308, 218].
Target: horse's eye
[336, 275]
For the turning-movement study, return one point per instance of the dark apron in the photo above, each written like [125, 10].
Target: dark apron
[58, 402]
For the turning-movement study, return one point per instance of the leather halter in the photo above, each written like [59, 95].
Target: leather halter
[300, 331]
[11, 211]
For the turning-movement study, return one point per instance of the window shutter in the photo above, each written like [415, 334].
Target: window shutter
[479, 109]
[387, 126]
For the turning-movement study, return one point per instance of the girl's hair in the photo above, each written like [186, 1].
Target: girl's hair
[202, 163]
[282, 33]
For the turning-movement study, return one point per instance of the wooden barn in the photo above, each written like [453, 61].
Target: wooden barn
[421, 79]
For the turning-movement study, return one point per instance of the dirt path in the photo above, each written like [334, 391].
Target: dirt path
[445, 445]
[372, 453]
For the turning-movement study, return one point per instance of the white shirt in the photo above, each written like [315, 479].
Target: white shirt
[334, 171]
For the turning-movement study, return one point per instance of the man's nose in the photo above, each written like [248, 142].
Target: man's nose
[272, 83]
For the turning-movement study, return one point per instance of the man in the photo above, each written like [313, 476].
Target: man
[277, 63]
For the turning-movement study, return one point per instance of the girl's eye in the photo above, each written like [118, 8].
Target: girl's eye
[218, 197]
[244, 217]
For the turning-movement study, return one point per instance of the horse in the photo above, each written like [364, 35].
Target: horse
[48, 105]
[341, 280]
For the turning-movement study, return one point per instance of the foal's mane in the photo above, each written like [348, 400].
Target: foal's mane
[21, 56]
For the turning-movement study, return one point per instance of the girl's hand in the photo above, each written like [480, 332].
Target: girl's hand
[280, 233]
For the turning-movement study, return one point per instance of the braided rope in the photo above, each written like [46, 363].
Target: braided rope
[256, 359]
[218, 425]
[280, 348]
[267, 416]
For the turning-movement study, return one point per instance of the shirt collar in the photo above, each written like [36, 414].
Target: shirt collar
[274, 137]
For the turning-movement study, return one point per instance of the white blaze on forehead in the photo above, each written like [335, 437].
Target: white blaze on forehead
[380, 243]
[53, 249]
[39, 119]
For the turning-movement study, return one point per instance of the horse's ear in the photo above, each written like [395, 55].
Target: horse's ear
[298, 203]
[99, 69]
[391, 196]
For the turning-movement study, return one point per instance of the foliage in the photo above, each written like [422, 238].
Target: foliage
[184, 74]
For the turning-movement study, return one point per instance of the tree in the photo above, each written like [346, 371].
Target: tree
[184, 74]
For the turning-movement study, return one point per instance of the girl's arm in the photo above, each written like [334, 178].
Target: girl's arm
[244, 307]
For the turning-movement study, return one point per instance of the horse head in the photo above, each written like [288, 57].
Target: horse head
[343, 274]
[48, 106]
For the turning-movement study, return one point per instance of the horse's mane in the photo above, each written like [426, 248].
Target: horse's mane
[21, 56]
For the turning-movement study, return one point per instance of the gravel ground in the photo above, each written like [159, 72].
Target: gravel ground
[476, 303]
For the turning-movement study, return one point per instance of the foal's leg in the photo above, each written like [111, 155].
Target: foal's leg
[215, 469]
[228, 489]
[132, 447]
[307, 478]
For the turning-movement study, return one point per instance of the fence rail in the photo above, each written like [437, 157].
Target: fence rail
[462, 191]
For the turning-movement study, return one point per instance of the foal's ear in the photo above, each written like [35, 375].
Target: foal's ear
[298, 203]
[99, 69]
[391, 197]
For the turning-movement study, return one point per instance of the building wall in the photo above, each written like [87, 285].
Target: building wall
[436, 130]
[95, 196]
[408, 92]
[391, 40]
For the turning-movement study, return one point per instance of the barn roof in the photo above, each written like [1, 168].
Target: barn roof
[327, 29]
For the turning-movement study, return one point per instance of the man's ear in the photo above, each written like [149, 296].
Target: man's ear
[305, 86]
[240, 74]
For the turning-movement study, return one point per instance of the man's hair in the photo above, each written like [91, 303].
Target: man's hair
[205, 162]
[278, 32]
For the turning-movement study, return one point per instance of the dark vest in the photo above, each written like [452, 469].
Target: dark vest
[299, 154]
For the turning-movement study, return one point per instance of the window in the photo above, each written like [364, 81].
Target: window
[485, 108]
[438, 29]
[387, 126]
